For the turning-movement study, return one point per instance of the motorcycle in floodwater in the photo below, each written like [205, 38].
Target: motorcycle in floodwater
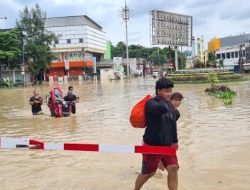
[57, 106]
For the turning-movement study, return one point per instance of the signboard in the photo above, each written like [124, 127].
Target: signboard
[170, 65]
[170, 29]
[132, 66]
[94, 66]
[117, 66]
[87, 57]
[66, 64]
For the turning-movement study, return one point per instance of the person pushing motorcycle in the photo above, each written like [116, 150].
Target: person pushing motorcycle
[71, 99]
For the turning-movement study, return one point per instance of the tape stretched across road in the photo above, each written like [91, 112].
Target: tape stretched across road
[6, 142]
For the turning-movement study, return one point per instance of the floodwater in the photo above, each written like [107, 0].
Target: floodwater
[214, 139]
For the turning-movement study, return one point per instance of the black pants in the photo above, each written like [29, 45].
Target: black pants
[73, 108]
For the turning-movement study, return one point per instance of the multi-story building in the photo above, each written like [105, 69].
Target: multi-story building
[79, 40]
[232, 50]
[201, 53]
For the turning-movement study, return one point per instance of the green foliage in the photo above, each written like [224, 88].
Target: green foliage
[119, 50]
[10, 47]
[221, 63]
[223, 92]
[211, 57]
[213, 78]
[155, 55]
[181, 60]
[37, 38]
[4, 83]
[204, 77]
[198, 64]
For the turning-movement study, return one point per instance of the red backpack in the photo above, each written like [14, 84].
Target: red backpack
[137, 116]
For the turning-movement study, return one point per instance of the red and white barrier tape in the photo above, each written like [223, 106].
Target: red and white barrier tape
[6, 142]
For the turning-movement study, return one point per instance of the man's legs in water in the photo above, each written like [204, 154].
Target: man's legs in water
[141, 179]
[172, 177]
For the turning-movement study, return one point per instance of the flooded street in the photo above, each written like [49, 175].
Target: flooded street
[214, 139]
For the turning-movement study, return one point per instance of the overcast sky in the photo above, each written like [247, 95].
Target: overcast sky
[211, 18]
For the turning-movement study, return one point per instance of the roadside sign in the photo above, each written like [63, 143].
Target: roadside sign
[66, 64]
[170, 65]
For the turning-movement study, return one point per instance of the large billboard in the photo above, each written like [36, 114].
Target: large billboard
[170, 29]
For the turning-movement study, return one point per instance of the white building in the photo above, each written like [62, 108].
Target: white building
[230, 55]
[79, 40]
[77, 35]
[230, 49]
[200, 49]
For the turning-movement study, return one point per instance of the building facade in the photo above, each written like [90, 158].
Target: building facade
[233, 50]
[79, 40]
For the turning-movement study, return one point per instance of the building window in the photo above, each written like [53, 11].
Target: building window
[228, 55]
[56, 41]
[218, 56]
[223, 55]
[232, 54]
[80, 40]
[244, 53]
[236, 54]
[68, 41]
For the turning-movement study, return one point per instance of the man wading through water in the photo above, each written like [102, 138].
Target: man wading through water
[160, 131]
[36, 102]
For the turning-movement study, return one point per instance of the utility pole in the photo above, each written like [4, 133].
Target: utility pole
[158, 51]
[24, 34]
[176, 58]
[241, 59]
[125, 14]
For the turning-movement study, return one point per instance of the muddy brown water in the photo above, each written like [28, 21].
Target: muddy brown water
[214, 139]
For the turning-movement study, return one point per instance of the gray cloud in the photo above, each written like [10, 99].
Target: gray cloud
[193, 4]
[208, 15]
[236, 15]
[140, 8]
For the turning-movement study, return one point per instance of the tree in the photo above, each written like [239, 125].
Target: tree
[181, 60]
[211, 59]
[119, 50]
[37, 40]
[136, 51]
[221, 63]
[10, 48]
[155, 55]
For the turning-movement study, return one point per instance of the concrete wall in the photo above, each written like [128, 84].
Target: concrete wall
[106, 74]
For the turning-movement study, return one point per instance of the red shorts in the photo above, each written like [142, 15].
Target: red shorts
[150, 162]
